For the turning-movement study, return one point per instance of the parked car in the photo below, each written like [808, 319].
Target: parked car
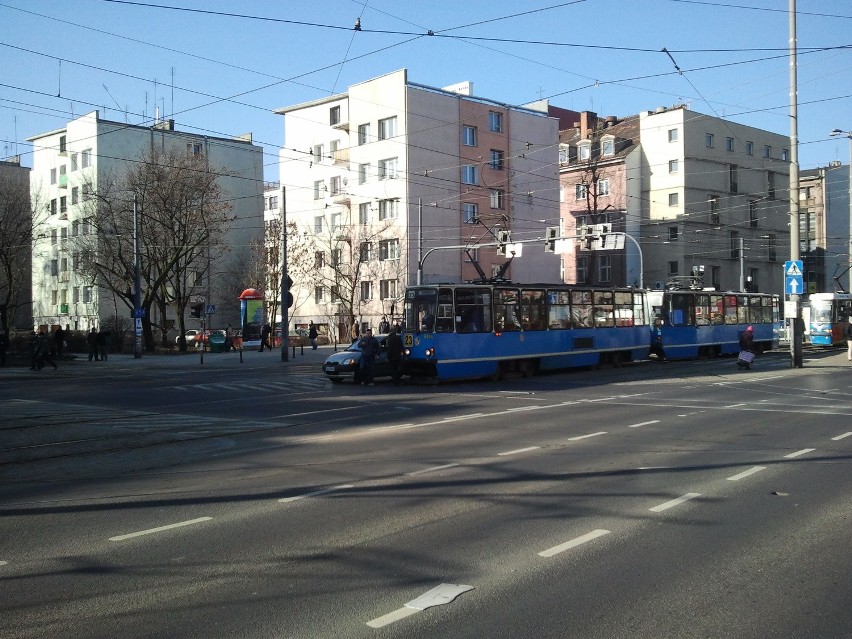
[344, 365]
[189, 335]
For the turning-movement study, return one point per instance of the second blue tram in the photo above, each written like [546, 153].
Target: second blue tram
[460, 331]
[830, 313]
[690, 324]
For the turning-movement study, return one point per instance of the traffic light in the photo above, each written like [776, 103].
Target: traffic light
[288, 282]
[550, 239]
[503, 239]
[197, 310]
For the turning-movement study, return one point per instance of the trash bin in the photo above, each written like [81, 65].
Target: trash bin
[217, 343]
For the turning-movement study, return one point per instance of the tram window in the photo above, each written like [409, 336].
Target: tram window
[682, 310]
[506, 310]
[604, 309]
[731, 309]
[444, 320]
[559, 309]
[702, 310]
[742, 310]
[532, 310]
[473, 311]
[420, 304]
[639, 318]
[766, 310]
[717, 310]
[624, 308]
[581, 309]
[754, 314]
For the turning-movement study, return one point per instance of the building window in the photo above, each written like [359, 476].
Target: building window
[319, 189]
[366, 291]
[87, 192]
[86, 158]
[672, 135]
[771, 248]
[336, 219]
[87, 294]
[729, 144]
[673, 199]
[708, 140]
[54, 268]
[785, 155]
[495, 121]
[335, 185]
[366, 251]
[604, 269]
[752, 214]
[362, 173]
[564, 156]
[603, 187]
[387, 289]
[273, 202]
[336, 258]
[333, 147]
[673, 166]
[318, 295]
[363, 134]
[53, 206]
[363, 213]
[749, 147]
[767, 151]
[498, 198]
[580, 191]
[388, 209]
[583, 269]
[86, 227]
[387, 169]
[335, 294]
[318, 224]
[770, 185]
[319, 153]
[319, 259]
[672, 233]
[75, 294]
[713, 204]
[63, 140]
[53, 176]
[607, 147]
[387, 128]
[496, 160]
[733, 178]
[388, 250]
[193, 149]
[468, 174]
[334, 115]
[468, 135]
[585, 149]
[674, 268]
[75, 228]
[735, 244]
[63, 205]
[469, 213]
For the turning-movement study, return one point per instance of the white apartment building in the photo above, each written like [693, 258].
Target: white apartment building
[396, 173]
[71, 161]
[715, 201]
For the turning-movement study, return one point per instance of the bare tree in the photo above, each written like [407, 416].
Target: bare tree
[182, 219]
[21, 221]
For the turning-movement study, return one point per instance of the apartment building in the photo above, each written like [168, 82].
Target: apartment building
[70, 164]
[396, 182]
[16, 241]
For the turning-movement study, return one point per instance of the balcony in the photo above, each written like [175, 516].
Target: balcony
[63, 309]
[63, 181]
[340, 157]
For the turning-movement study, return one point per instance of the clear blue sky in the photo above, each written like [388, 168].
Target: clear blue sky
[221, 67]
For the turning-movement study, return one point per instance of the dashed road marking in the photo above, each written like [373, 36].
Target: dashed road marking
[315, 493]
[579, 437]
[839, 437]
[746, 473]
[430, 470]
[674, 502]
[799, 453]
[653, 421]
[518, 451]
[151, 531]
[577, 541]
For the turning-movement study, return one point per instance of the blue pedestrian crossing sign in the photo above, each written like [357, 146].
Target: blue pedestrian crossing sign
[793, 279]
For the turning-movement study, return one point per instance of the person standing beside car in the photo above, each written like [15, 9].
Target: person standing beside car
[394, 344]
[369, 346]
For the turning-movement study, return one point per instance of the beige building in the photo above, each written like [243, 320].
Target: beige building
[397, 182]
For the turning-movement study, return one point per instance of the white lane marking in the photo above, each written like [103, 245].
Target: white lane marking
[674, 502]
[520, 408]
[746, 473]
[601, 399]
[518, 450]
[316, 492]
[394, 427]
[3, 563]
[318, 412]
[734, 405]
[151, 531]
[460, 417]
[804, 451]
[843, 436]
[653, 421]
[582, 539]
[389, 618]
[579, 437]
[430, 470]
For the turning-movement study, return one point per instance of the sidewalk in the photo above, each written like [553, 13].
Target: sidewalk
[17, 368]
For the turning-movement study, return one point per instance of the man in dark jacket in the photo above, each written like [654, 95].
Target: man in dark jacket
[265, 332]
[369, 346]
[92, 343]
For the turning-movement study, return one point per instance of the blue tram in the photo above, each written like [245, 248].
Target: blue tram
[830, 314]
[690, 324]
[459, 331]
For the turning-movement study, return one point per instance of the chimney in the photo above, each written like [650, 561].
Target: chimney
[587, 123]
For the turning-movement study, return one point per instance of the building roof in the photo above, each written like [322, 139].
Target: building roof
[625, 132]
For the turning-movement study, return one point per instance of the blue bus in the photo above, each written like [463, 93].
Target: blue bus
[466, 331]
[690, 324]
[830, 314]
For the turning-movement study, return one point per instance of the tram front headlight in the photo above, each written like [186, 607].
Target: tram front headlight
[429, 352]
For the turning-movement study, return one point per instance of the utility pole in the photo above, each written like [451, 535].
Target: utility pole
[742, 266]
[285, 289]
[796, 330]
[137, 284]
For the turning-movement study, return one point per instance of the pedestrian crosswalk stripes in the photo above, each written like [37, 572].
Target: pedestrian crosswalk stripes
[291, 384]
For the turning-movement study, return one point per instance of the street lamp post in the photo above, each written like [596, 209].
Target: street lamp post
[848, 134]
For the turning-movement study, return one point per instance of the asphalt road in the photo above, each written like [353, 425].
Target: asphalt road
[165, 498]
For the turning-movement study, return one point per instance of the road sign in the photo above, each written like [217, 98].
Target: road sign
[211, 309]
[793, 280]
[138, 312]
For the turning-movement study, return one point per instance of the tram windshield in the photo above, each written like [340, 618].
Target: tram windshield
[421, 308]
[821, 312]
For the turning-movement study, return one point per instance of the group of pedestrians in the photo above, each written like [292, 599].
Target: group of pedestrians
[98, 342]
[370, 349]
